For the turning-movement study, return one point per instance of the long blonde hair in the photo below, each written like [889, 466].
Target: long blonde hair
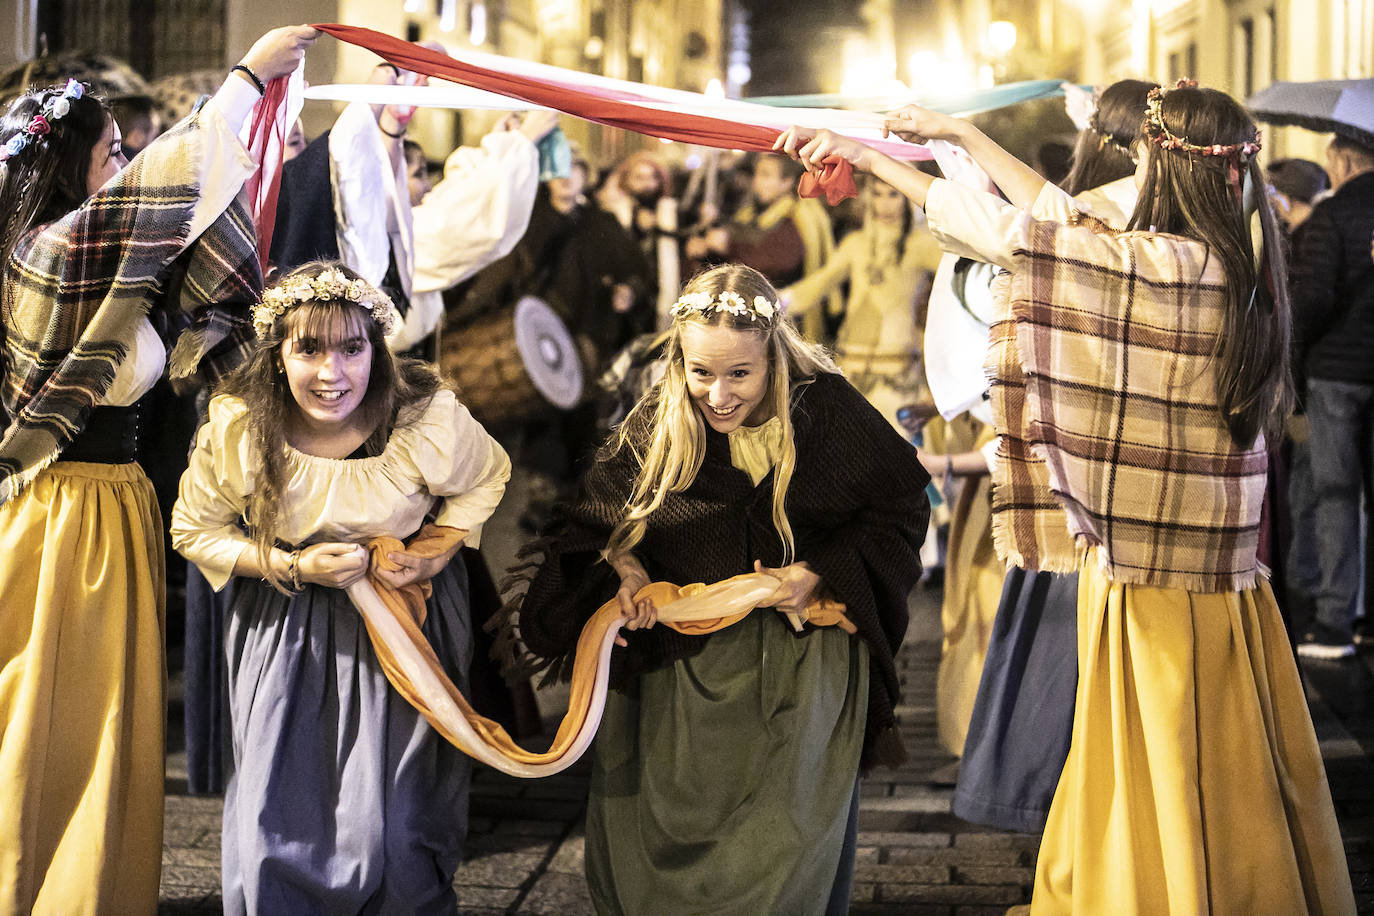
[671, 455]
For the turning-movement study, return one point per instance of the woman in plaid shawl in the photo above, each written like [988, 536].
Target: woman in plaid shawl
[1142, 371]
[89, 243]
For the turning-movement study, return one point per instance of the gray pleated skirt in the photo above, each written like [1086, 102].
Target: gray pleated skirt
[1022, 720]
[343, 799]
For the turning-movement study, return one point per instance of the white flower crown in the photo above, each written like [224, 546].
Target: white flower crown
[725, 301]
[328, 284]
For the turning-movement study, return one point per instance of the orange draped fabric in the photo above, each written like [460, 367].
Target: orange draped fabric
[406, 607]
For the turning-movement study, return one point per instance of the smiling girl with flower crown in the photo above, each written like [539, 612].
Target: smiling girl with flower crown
[343, 799]
[725, 767]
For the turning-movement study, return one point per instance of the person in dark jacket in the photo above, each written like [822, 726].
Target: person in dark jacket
[1291, 522]
[1333, 318]
[725, 775]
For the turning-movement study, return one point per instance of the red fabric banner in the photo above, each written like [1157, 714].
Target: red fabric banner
[614, 109]
[266, 130]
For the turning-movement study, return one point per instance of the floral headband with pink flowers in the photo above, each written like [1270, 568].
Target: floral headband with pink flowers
[40, 125]
[1160, 134]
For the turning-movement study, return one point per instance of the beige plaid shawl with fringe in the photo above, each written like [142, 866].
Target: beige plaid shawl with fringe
[78, 287]
[1029, 526]
[1113, 333]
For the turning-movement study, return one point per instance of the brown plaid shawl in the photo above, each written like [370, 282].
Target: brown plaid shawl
[78, 286]
[1029, 526]
[1114, 334]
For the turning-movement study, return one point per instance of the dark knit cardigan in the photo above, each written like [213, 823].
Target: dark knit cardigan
[858, 510]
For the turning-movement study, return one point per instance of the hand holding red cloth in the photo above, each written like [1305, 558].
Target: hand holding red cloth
[835, 180]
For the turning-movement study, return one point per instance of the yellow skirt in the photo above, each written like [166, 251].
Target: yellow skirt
[1194, 783]
[973, 590]
[82, 690]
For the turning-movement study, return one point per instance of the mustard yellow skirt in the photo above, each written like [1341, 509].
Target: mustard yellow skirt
[1194, 783]
[82, 685]
[973, 590]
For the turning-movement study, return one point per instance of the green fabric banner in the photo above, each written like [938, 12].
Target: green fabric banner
[960, 104]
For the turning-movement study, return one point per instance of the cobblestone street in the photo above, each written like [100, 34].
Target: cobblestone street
[525, 844]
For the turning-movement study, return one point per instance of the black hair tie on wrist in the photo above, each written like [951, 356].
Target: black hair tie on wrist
[248, 72]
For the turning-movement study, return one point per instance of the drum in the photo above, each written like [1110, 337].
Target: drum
[513, 365]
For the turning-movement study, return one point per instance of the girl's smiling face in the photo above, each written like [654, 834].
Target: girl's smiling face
[727, 374]
[328, 373]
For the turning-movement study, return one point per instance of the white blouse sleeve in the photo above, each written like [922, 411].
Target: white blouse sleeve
[459, 463]
[477, 212]
[982, 226]
[989, 450]
[1053, 204]
[214, 491]
[226, 164]
[971, 224]
[956, 337]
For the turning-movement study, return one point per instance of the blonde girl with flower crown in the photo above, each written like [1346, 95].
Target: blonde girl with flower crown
[343, 799]
[1136, 375]
[725, 768]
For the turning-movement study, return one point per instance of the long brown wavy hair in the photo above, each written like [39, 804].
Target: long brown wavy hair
[676, 443]
[1103, 152]
[397, 390]
[1200, 197]
[47, 179]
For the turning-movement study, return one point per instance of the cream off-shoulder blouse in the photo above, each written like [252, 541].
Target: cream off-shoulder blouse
[442, 459]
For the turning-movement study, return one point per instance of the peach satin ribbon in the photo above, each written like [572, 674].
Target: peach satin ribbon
[393, 619]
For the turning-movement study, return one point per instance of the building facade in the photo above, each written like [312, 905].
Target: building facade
[672, 43]
[1240, 46]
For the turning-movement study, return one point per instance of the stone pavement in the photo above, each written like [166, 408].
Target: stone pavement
[525, 844]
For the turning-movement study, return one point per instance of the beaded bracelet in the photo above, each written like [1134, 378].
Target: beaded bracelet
[293, 569]
[248, 72]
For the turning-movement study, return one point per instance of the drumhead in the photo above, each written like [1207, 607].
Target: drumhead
[549, 353]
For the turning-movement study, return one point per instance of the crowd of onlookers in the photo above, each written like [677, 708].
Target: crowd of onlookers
[1329, 216]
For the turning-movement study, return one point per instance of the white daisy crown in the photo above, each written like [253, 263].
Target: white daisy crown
[329, 284]
[726, 301]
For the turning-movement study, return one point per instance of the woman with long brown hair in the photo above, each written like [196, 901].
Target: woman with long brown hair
[89, 297]
[343, 799]
[1106, 152]
[1145, 368]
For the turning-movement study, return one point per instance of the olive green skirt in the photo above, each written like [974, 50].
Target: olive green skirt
[723, 783]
